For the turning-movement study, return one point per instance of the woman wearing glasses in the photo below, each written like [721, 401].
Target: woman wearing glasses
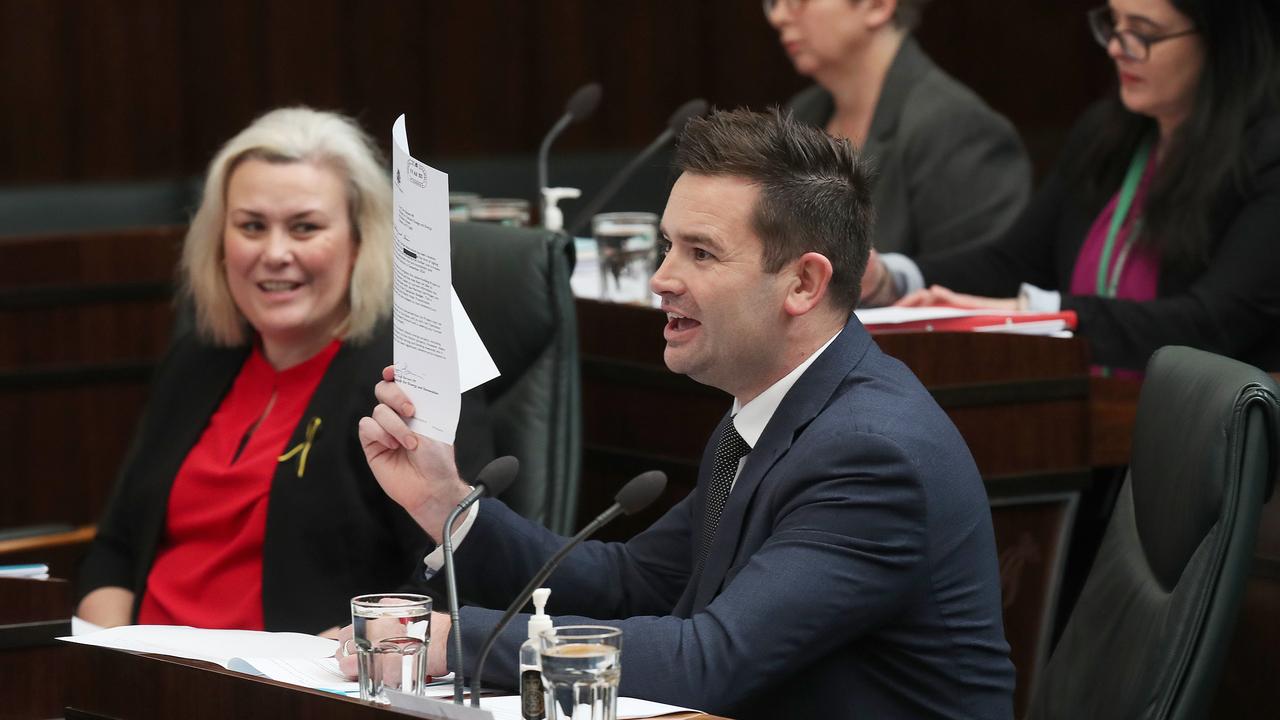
[951, 171]
[1159, 225]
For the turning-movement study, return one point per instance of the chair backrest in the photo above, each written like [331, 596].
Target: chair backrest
[1148, 636]
[514, 283]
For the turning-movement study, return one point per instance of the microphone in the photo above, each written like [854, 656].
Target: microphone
[493, 479]
[635, 496]
[696, 107]
[581, 104]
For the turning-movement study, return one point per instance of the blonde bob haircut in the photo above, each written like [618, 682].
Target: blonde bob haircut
[290, 135]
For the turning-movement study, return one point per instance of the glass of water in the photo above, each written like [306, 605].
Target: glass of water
[581, 666]
[391, 632]
[626, 248]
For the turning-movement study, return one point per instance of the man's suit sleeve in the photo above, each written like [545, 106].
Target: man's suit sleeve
[845, 550]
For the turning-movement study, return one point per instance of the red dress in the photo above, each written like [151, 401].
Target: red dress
[208, 569]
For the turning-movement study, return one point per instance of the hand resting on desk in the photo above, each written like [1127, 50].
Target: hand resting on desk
[437, 648]
[938, 295]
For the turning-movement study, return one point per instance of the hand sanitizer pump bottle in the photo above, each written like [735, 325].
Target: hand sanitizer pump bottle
[552, 215]
[532, 694]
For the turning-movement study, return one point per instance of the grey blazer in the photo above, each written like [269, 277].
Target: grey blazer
[951, 171]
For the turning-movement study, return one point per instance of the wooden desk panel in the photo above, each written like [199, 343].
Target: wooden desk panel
[130, 686]
[85, 319]
[33, 679]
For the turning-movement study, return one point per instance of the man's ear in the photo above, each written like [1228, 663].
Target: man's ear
[880, 12]
[810, 276]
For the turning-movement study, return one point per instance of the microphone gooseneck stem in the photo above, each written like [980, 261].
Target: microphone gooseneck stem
[545, 149]
[616, 182]
[451, 584]
[612, 512]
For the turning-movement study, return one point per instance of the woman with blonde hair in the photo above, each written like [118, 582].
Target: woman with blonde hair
[246, 501]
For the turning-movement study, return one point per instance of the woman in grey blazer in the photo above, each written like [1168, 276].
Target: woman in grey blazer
[951, 171]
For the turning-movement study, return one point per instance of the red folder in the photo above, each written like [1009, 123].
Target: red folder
[1033, 323]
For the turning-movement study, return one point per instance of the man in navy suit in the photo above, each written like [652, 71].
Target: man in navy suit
[836, 559]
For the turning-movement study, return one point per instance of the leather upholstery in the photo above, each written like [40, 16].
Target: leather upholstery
[514, 283]
[1149, 633]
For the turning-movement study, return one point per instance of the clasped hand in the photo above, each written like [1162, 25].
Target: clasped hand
[418, 473]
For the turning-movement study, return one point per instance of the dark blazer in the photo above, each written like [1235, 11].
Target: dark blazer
[854, 573]
[1229, 305]
[331, 534]
[951, 171]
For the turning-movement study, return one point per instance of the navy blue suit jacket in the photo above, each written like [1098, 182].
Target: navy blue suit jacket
[853, 574]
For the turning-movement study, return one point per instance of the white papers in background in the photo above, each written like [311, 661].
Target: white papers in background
[1055, 327]
[31, 571]
[897, 315]
[295, 658]
[434, 340]
[507, 707]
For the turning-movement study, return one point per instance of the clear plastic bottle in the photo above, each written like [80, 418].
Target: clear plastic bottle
[533, 695]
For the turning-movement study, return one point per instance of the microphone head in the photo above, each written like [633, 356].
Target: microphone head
[642, 490]
[498, 475]
[583, 102]
[696, 107]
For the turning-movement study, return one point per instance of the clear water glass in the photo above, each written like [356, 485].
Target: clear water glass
[391, 632]
[627, 251]
[581, 666]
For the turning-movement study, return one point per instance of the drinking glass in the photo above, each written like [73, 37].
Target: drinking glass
[502, 211]
[626, 249]
[460, 205]
[581, 666]
[391, 632]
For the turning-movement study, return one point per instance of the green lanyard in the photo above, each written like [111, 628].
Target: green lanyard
[1109, 282]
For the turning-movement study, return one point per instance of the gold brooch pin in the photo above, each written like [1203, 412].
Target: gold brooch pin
[303, 449]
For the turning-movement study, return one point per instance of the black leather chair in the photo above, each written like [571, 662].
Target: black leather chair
[1148, 636]
[514, 283]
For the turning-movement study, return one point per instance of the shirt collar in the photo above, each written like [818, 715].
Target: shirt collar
[750, 419]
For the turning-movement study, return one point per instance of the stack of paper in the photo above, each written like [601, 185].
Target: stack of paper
[950, 319]
[295, 658]
[32, 571]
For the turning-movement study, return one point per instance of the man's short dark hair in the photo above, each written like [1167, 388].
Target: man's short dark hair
[907, 16]
[815, 190]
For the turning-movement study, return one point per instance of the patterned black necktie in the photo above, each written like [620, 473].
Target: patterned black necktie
[729, 450]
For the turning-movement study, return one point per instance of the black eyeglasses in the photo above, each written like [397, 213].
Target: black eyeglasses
[1134, 45]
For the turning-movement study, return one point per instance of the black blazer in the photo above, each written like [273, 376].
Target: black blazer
[331, 534]
[1231, 306]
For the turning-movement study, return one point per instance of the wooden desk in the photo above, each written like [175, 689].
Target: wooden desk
[130, 686]
[32, 614]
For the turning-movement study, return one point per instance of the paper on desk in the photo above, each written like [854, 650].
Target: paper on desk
[31, 571]
[438, 354]
[216, 646]
[507, 707]
[895, 315]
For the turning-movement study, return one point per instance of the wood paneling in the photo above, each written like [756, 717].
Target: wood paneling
[148, 89]
[84, 320]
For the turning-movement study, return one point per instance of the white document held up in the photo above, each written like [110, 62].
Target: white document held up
[438, 354]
